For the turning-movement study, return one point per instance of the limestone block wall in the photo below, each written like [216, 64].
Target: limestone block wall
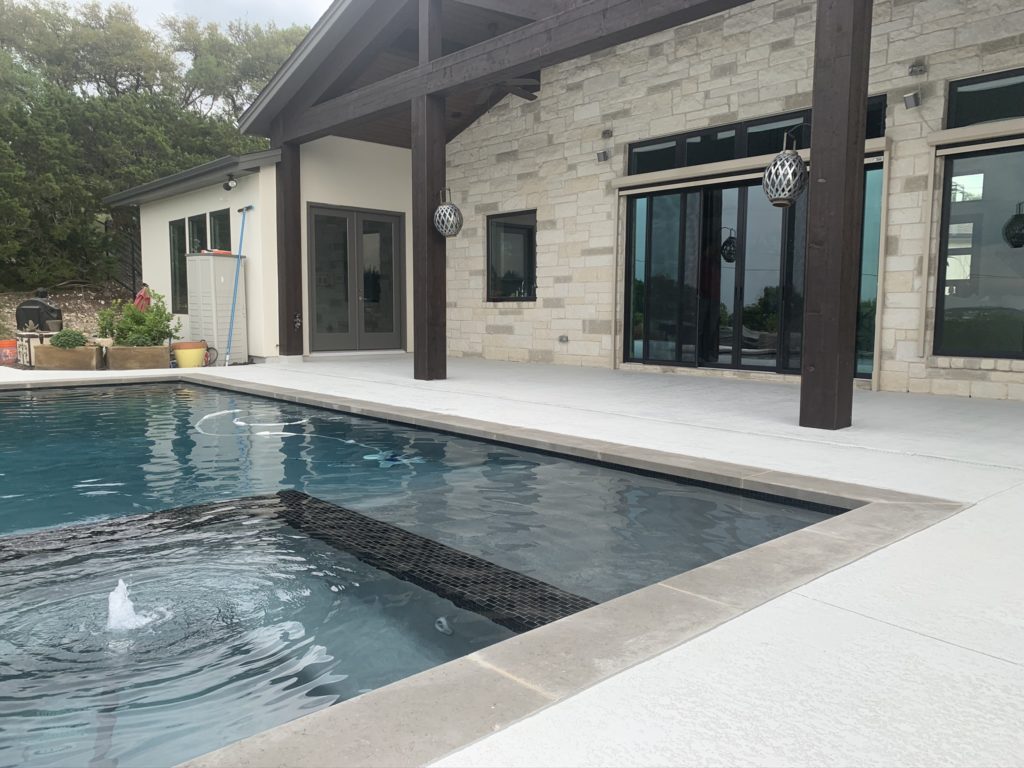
[754, 61]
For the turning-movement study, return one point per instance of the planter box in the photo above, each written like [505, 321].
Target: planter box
[136, 358]
[49, 358]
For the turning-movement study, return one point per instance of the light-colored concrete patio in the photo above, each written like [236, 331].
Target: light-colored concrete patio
[912, 655]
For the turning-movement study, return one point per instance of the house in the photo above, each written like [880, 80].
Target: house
[607, 159]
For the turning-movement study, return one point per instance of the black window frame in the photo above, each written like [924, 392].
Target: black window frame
[179, 266]
[190, 241]
[951, 94]
[226, 212]
[802, 138]
[531, 261]
[940, 276]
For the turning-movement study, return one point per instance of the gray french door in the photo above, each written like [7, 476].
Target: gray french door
[355, 279]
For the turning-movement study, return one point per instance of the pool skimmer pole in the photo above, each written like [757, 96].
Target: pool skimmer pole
[234, 293]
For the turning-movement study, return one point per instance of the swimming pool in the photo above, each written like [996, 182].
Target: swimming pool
[85, 457]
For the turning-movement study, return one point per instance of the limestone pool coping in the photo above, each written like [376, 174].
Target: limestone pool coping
[423, 718]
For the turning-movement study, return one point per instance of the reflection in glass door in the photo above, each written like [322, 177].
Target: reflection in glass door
[729, 291]
[355, 280]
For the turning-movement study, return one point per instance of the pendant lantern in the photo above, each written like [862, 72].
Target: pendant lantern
[1013, 230]
[786, 177]
[448, 217]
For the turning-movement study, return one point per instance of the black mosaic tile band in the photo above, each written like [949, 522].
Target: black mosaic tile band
[510, 599]
[513, 600]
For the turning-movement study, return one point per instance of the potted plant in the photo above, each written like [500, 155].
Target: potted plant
[140, 336]
[68, 350]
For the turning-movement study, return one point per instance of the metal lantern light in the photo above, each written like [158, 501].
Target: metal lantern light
[448, 217]
[1013, 230]
[786, 177]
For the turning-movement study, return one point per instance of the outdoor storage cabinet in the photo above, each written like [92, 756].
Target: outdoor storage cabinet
[211, 281]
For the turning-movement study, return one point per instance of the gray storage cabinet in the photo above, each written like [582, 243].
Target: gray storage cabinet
[211, 278]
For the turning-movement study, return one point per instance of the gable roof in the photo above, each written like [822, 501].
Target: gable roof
[337, 21]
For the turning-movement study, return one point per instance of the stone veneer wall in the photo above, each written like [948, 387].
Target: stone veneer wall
[747, 63]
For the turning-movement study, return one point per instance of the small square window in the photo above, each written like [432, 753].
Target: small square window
[512, 256]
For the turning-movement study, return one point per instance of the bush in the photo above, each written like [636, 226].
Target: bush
[128, 326]
[68, 339]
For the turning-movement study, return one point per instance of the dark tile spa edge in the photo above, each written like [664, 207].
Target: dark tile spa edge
[422, 718]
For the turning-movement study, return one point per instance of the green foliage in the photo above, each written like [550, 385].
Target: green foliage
[128, 326]
[92, 103]
[68, 339]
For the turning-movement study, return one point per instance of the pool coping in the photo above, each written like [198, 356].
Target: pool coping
[423, 718]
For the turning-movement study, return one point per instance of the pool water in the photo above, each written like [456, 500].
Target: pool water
[246, 624]
[83, 454]
[251, 622]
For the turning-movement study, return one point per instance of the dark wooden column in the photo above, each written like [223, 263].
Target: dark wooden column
[835, 212]
[428, 179]
[289, 252]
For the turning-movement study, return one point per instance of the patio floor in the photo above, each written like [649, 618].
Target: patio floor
[910, 656]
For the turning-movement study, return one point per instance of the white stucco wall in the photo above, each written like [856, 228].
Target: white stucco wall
[260, 248]
[357, 174]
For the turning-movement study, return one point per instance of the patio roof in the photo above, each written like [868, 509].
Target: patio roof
[214, 172]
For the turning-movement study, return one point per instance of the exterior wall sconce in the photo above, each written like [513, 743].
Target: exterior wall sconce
[603, 156]
[1013, 230]
[785, 178]
[231, 183]
[448, 217]
[912, 100]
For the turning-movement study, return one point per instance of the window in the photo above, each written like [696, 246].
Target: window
[986, 98]
[728, 142]
[511, 257]
[980, 304]
[179, 280]
[197, 233]
[220, 230]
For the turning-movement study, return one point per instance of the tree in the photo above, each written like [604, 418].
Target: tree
[92, 103]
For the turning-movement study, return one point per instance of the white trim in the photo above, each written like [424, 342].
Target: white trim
[687, 184]
[973, 133]
[962, 150]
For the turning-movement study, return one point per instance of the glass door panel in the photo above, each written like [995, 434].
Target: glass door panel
[717, 280]
[870, 243]
[792, 336]
[637, 279]
[762, 261]
[663, 282]
[379, 265]
[331, 292]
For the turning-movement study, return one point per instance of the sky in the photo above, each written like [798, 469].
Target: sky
[282, 12]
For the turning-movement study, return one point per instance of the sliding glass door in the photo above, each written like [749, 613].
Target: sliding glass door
[709, 278]
[716, 278]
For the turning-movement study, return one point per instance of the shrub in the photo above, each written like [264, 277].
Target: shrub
[68, 339]
[128, 326]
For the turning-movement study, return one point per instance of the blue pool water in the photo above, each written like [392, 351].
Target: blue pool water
[253, 622]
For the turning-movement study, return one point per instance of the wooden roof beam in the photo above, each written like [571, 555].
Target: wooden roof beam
[575, 31]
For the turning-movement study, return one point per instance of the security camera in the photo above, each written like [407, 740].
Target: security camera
[230, 184]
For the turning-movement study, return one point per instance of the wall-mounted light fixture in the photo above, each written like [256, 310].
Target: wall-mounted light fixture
[448, 217]
[785, 178]
[912, 100]
[231, 183]
[602, 156]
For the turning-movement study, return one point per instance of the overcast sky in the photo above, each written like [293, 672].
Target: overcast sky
[282, 12]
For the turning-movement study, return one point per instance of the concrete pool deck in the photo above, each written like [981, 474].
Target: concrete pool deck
[908, 655]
